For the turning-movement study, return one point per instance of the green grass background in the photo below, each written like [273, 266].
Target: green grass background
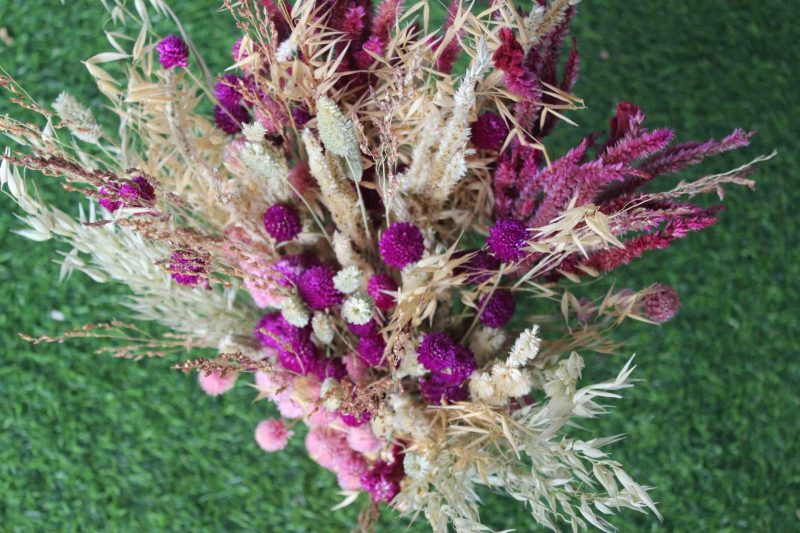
[88, 443]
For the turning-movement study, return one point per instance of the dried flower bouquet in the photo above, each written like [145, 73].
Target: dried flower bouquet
[361, 228]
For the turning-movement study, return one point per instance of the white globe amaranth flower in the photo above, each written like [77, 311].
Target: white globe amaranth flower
[525, 348]
[331, 394]
[294, 311]
[358, 310]
[348, 279]
[416, 466]
[322, 326]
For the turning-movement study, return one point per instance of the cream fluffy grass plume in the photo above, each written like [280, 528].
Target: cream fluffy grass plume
[356, 218]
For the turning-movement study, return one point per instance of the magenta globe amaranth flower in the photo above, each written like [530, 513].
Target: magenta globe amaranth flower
[507, 239]
[382, 481]
[173, 52]
[662, 304]
[371, 348]
[401, 244]
[437, 389]
[363, 330]
[136, 192]
[377, 286]
[480, 266]
[189, 268]
[282, 222]
[226, 91]
[437, 351]
[230, 120]
[489, 131]
[498, 308]
[316, 288]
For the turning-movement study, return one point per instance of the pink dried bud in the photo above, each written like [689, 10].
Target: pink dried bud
[661, 304]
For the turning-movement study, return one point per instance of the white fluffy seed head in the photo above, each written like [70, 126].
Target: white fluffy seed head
[254, 132]
[525, 348]
[357, 310]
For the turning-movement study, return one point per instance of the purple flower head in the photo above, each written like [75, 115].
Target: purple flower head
[437, 352]
[462, 368]
[662, 304]
[401, 244]
[272, 331]
[489, 132]
[507, 238]
[230, 120]
[355, 420]
[376, 287]
[290, 268]
[301, 116]
[316, 288]
[189, 268]
[363, 330]
[498, 310]
[353, 23]
[437, 388]
[382, 481]
[226, 91]
[479, 267]
[331, 368]
[370, 349]
[173, 52]
[300, 356]
[282, 222]
[136, 192]
[237, 52]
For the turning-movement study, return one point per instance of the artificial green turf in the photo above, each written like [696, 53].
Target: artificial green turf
[89, 443]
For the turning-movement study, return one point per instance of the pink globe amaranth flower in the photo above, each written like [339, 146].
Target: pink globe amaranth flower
[230, 120]
[300, 178]
[507, 239]
[357, 370]
[480, 266]
[363, 330]
[263, 297]
[189, 268]
[327, 446]
[355, 420]
[136, 192]
[382, 481]
[316, 288]
[362, 439]
[499, 308]
[349, 471]
[173, 52]
[318, 417]
[226, 91]
[288, 407]
[489, 131]
[282, 222]
[237, 53]
[401, 244]
[272, 435]
[277, 381]
[215, 383]
[662, 304]
[377, 286]
[371, 348]
[437, 352]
